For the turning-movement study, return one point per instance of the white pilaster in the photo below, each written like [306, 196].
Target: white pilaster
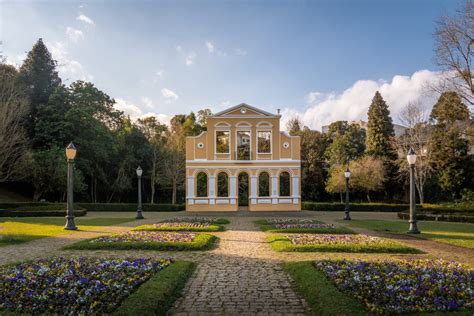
[295, 181]
[253, 189]
[233, 189]
[212, 189]
[190, 187]
[275, 190]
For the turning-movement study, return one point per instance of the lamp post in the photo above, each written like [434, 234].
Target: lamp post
[139, 208]
[411, 157]
[347, 174]
[70, 155]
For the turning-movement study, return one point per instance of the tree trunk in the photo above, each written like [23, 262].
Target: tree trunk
[173, 198]
[421, 195]
[368, 198]
[95, 190]
[153, 180]
[340, 194]
[36, 195]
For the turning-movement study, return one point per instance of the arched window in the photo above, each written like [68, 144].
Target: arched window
[285, 184]
[201, 184]
[264, 184]
[222, 184]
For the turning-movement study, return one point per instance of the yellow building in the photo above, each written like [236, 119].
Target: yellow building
[243, 161]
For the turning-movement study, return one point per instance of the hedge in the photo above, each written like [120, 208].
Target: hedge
[39, 213]
[131, 207]
[354, 207]
[439, 217]
[97, 207]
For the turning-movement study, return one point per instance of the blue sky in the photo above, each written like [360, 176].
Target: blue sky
[321, 60]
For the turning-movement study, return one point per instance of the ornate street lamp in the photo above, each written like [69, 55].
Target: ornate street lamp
[411, 157]
[139, 208]
[347, 175]
[70, 155]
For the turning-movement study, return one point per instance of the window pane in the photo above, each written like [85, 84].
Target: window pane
[243, 145]
[201, 185]
[264, 142]
[222, 142]
[222, 184]
[264, 184]
[284, 184]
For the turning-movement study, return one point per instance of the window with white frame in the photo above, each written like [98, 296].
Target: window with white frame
[222, 142]
[264, 141]
[243, 145]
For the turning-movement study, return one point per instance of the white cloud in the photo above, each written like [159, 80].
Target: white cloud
[85, 19]
[135, 112]
[210, 47]
[69, 68]
[169, 95]
[160, 73]
[353, 103]
[179, 49]
[190, 59]
[147, 101]
[241, 52]
[74, 34]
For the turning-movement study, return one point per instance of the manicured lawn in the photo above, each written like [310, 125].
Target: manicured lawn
[157, 296]
[458, 234]
[320, 293]
[95, 286]
[149, 240]
[336, 243]
[362, 288]
[301, 227]
[20, 230]
[182, 226]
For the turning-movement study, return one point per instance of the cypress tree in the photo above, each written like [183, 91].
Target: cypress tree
[39, 78]
[380, 131]
[449, 147]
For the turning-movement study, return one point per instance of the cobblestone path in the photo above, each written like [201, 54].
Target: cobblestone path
[240, 277]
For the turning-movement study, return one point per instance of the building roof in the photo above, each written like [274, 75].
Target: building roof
[257, 111]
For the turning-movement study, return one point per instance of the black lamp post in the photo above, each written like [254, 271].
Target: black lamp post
[70, 155]
[347, 175]
[139, 208]
[411, 157]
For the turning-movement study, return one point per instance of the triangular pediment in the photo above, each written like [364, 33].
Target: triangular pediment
[243, 110]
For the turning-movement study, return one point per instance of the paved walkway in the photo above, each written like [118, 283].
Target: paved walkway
[242, 275]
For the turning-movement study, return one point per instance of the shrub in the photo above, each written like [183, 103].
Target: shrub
[439, 217]
[131, 207]
[39, 213]
[354, 207]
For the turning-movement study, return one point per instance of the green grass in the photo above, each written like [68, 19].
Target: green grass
[270, 228]
[201, 242]
[20, 230]
[210, 228]
[282, 244]
[157, 295]
[320, 293]
[458, 234]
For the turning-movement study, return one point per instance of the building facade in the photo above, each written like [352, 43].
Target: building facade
[243, 161]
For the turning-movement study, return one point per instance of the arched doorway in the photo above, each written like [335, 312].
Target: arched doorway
[243, 185]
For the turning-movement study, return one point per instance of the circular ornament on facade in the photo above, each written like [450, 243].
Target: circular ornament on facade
[286, 145]
[243, 110]
[200, 145]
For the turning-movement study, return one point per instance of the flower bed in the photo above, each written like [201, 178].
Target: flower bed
[296, 225]
[149, 240]
[337, 243]
[395, 287]
[198, 219]
[73, 285]
[182, 226]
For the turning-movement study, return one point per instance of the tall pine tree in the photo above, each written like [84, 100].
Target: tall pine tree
[39, 78]
[449, 147]
[380, 133]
